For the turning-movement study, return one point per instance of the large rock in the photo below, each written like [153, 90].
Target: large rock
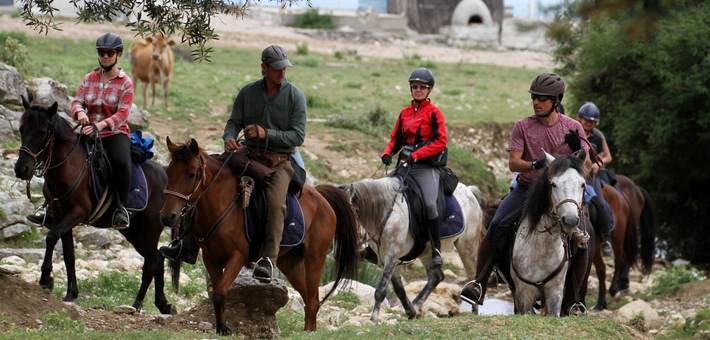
[250, 307]
[47, 91]
[6, 132]
[14, 230]
[12, 87]
[628, 311]
[443, 301]
[137, 118]
[365, 292]
[34, 255]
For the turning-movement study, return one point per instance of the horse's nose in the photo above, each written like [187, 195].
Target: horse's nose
[570, 220]
[21, 171]
[170, 220]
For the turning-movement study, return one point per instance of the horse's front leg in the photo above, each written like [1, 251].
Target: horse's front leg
[601, 275]
[619, 264]
[221, 281]
[64, 226]
[434, 277]
[398, 287]
[69, 262]
[390, 265]
[553, 294]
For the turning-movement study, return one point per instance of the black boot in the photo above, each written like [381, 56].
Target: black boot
[43, 218]
[120, 218]
[474, 291]
[263, 272]
[184, 250]
[604, 222]
[435, 227]
[369, 255]
[577, 273]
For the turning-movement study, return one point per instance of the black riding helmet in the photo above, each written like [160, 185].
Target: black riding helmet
[424, 75]
[589, 111]
[549, 84]
[109, 41]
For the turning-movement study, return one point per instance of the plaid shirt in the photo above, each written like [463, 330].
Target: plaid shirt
[110, 104]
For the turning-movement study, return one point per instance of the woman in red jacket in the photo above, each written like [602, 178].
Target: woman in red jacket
[421, 135]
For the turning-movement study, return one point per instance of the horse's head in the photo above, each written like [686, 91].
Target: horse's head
[37, 131]
[185, 178]
[558, 191]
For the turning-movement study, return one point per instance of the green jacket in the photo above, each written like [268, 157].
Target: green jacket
[283, 115]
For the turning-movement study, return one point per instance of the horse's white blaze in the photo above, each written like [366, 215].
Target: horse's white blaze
[569, 185]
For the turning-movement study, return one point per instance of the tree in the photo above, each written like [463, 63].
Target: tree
[191, 19]
[653, 94]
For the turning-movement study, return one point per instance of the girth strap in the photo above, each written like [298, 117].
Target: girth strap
[539, 285]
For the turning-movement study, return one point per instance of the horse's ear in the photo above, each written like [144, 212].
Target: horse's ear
[52, 110]
[548, 157]
[25, 103]
[194, 148]
[582, 154]
[170, 144]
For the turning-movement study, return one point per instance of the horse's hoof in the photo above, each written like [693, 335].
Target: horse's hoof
[224, 331]
[48, 285]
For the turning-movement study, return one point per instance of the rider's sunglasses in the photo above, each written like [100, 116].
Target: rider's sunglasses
[541, 98]
[110, 53]
[419, 87]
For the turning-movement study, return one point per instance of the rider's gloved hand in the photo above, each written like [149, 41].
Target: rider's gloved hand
[387, 160]
[538, 164]
[573, 140]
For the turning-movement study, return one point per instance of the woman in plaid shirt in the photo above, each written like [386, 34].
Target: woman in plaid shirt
[104, 99]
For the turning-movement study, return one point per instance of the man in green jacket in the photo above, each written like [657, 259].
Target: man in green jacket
[272, 113]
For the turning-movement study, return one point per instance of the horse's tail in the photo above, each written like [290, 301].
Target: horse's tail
[648, 233]
[345, 244]
[175, 266]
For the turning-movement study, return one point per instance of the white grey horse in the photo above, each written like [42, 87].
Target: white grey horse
[539, 262]
[372, 200]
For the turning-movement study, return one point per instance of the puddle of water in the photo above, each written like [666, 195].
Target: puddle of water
[491, 306]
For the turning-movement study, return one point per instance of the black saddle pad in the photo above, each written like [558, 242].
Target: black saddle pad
[255, 218]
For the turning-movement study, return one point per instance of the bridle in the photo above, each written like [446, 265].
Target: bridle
[200, 180]
[42, 164]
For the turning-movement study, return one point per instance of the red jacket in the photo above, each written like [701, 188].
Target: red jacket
[417, 126]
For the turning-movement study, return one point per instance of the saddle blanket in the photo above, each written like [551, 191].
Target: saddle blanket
[452, 225]
[294, 224]
[137, 195]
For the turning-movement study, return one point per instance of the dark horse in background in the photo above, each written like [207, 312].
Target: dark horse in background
[49, 141]
[633, 212]
[198, 180]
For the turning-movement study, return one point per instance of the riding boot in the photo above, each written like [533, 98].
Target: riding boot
[120, 218]
[43, 218]
[369, 255]
[476, 291]
[184, 250]
[435, 228]
[603, 221]
[263, 272]
[578, 272]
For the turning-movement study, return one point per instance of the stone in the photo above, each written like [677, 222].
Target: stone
[163, 318]
[19, 207]
[361, 310]
[124, 309]
[11, 268]
[95, 237]
[14, 259]
[11, 115]
[296, 305]
[6, 132]
[34, 255]
[14, 230]
[429, 316]
[205, 326]
[137, 118]
[47, 91]
[120, 266]
[365, 292]
[12, 87]
[628, 311]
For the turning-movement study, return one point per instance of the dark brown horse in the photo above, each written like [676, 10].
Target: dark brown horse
[49, 143]
[196, 177]
[633, 212]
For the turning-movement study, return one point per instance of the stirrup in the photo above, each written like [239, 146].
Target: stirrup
[176, 243]
[474, 284]
[432, 259]
[264, 279]
[43, 208]
[128, 218]
[581, 310]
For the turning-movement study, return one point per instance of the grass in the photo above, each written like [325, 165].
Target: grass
[670, 280]
[28, 239]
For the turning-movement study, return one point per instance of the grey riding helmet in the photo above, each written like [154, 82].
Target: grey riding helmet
[109, 41]
[589, 111]
[423, 75]
[548, 84]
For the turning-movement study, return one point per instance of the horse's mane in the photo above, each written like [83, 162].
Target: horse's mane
[375, 198]
[183, 152]
[36, 116]
[537, 203]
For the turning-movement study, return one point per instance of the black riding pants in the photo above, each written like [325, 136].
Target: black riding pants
[118, 150]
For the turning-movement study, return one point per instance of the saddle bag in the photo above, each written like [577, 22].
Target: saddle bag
[298, 179]
[439, 159]
[267, 157]
[449, 180]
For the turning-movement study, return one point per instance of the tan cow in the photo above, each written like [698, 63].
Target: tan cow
[152, 62]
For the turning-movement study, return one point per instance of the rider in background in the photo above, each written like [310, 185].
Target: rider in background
[421, 126]
[546, 129]
[589, 116]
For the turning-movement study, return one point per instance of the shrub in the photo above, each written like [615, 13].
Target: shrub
[302, 48]
[13, 52]
[375, 122]
[311, 19]
[338, 54]
[671, 280]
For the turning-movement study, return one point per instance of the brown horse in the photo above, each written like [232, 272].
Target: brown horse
[50, 145]
[211, 188]
[633, 211]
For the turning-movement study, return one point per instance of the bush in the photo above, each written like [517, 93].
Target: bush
[311, 19]
[60, 321]
[671, 280]
[13, 52]
[375, 122]
[302, 48]
[338, 54]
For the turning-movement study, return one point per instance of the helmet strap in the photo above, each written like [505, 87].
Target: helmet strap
[108, 68]
[554, 107]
